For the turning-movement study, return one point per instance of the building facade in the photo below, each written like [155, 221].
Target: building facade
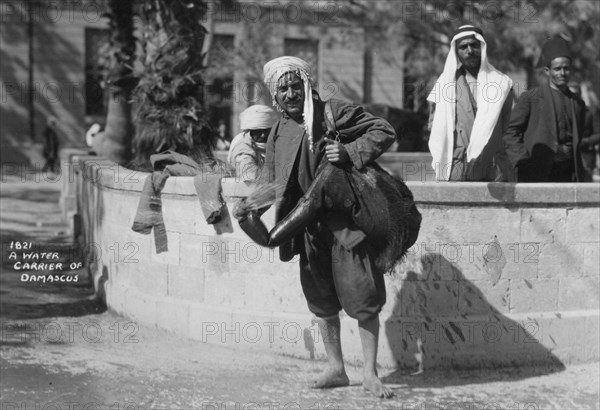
[51, 58]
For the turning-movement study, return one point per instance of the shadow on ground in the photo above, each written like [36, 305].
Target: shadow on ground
[450, 377]
[33, 232]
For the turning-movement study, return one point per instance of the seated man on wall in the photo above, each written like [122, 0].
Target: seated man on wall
[472, 102]
[247, 150]
[543, 139]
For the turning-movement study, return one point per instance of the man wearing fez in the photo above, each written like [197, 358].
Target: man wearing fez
[471, 104]
[547, 124]
[337, 267]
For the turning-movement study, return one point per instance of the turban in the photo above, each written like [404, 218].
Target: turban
[553, 48]
[492, 91]
[277, 67]
[257, 117]
[91, 133]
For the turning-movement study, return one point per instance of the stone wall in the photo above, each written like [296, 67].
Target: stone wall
[501, 274]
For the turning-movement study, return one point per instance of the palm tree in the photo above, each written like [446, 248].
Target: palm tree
[114, 142]
[169, 113]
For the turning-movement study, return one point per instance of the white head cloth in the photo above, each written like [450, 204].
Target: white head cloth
[493, 87]
[277, 67]
[91, 133]
[257, 117]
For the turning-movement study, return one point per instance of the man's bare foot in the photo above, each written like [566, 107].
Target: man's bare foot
[375, 386]
[331, 378]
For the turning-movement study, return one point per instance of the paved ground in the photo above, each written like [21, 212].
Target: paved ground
[59, 349]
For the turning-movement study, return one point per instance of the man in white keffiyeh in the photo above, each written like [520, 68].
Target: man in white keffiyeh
[471, 108]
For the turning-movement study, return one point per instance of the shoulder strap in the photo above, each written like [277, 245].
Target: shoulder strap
[330, 121]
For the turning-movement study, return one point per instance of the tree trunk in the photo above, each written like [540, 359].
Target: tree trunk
[115, 142]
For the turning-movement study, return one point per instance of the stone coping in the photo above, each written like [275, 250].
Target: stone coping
[112, 176]
[385, 157]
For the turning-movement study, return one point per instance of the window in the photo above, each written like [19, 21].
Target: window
[306, 49]
[95, 98]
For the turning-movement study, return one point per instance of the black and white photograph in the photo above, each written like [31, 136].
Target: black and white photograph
[300, 204]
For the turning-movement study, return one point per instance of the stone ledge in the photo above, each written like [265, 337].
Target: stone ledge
[110, 175]
[505, 194]
[424, 157]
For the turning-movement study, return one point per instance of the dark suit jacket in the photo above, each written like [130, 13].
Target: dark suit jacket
[365, 137]
[531, 137]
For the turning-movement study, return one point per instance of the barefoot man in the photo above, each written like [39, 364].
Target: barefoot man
[337, 270]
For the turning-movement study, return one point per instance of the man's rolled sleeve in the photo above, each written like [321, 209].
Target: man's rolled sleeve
[375, 135]
[354, 154]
